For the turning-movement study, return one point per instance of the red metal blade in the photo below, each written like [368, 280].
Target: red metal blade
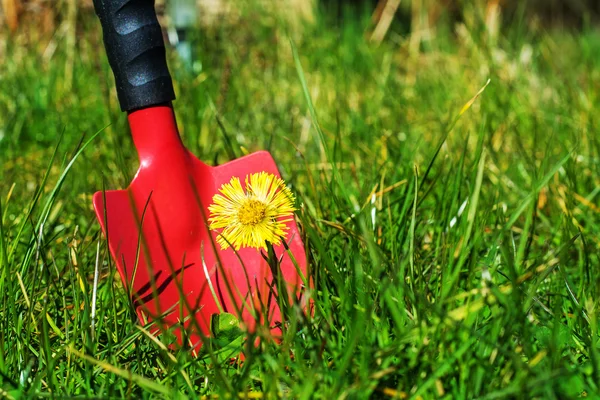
[162, 262]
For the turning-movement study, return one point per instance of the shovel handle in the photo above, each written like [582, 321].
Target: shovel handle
[136, 52]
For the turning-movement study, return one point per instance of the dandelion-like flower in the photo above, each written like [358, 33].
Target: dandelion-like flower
[251, 217]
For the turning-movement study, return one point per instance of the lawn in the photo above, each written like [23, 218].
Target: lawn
[448, 198]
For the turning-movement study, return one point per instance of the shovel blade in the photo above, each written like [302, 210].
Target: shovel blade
[176, 274]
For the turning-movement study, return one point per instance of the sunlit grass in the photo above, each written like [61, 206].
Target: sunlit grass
[453, 256]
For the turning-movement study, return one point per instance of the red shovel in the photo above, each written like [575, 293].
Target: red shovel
[157, 228]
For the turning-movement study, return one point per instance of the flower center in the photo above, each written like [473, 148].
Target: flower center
[252, 212]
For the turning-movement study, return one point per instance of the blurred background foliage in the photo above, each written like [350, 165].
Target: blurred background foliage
[53, 62]
[44, 16]
[422, 57]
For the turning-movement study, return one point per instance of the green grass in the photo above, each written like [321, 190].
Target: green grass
[453, 255]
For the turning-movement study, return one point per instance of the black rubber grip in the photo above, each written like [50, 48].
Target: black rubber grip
[136, 52]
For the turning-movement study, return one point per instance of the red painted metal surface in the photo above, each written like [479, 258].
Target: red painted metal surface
[169, 199]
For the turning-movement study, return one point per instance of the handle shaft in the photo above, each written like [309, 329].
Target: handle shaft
[136, 52]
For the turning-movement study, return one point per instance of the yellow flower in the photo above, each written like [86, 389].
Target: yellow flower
[252, 216]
